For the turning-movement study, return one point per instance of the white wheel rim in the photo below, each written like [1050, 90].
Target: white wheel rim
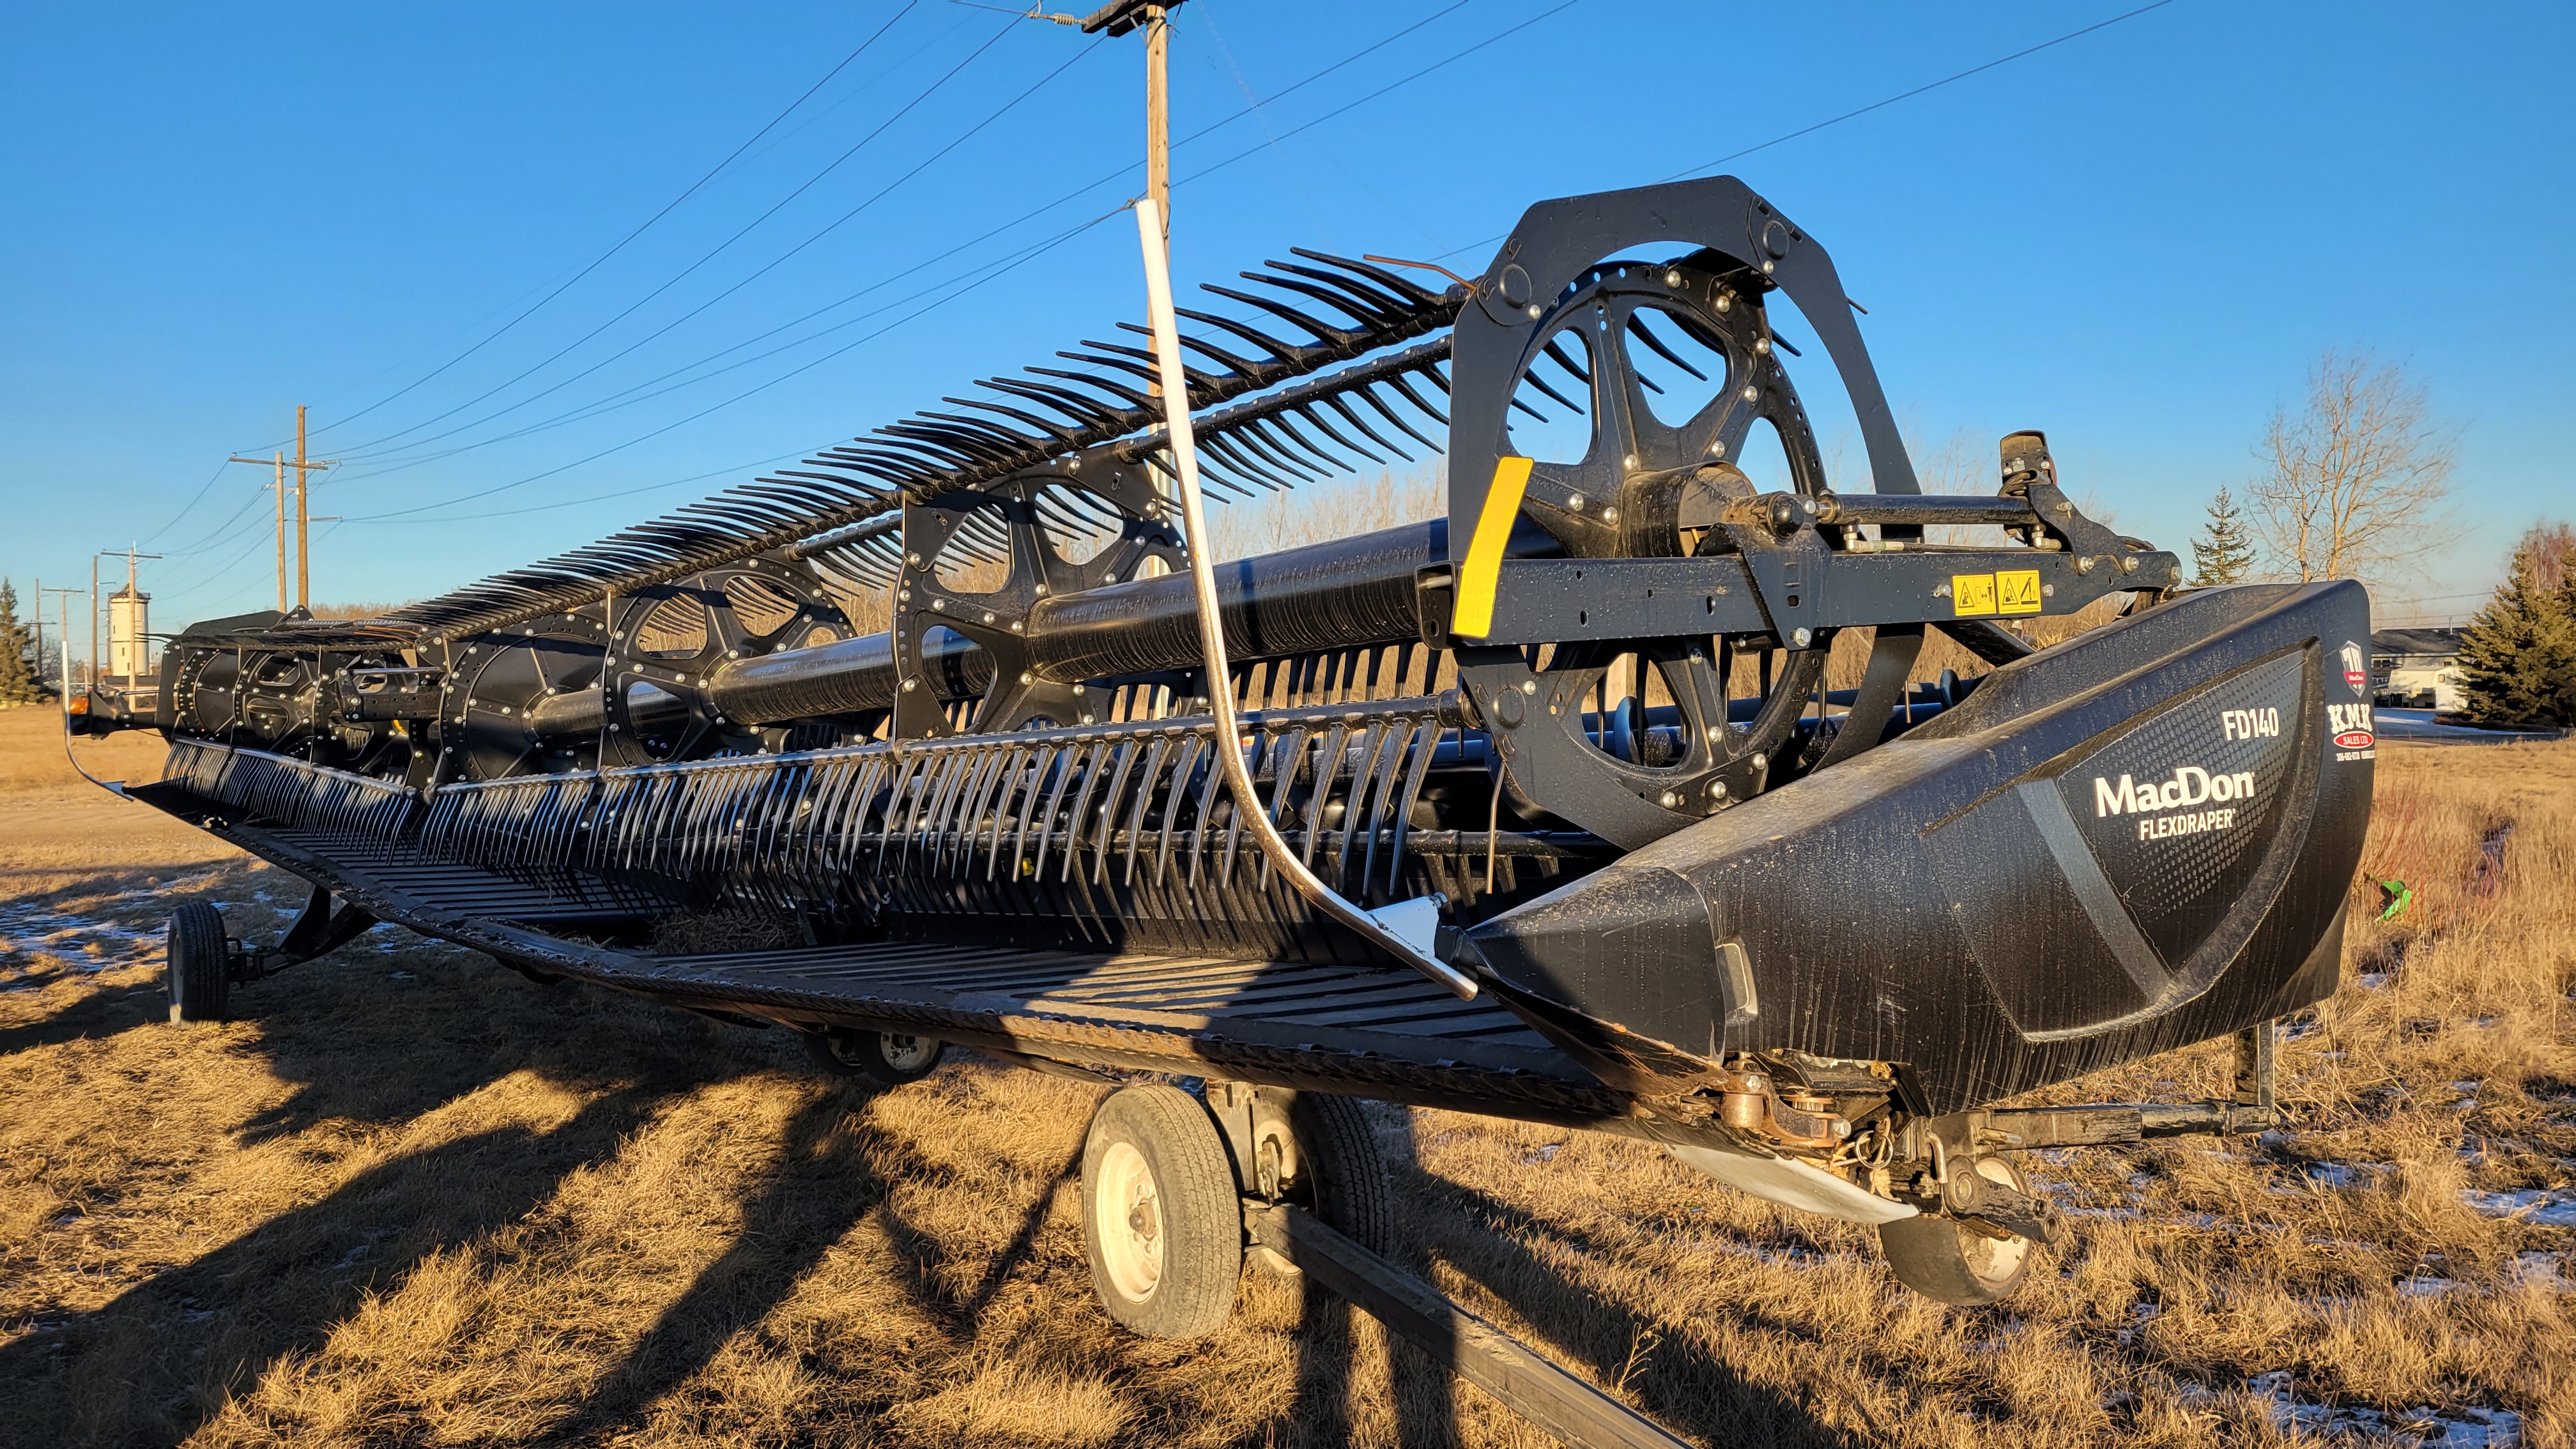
[1127, 1220]
[906, 1053]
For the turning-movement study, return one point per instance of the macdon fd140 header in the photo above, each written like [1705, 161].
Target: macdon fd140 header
[1573, 742]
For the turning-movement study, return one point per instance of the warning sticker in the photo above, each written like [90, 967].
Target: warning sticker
[2017, 591]
[1973, 594]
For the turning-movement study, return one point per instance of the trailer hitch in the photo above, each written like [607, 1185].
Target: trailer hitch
[317, 931]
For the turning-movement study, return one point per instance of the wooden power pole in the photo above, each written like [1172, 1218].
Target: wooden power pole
[303, 467]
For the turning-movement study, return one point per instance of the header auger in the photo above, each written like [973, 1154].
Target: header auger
[1576, 735]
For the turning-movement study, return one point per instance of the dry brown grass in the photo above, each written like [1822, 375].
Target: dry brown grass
[418, 1199]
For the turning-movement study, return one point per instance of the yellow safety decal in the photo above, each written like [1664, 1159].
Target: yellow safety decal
[1474, 615]
[2017, 591]
[1972, 594]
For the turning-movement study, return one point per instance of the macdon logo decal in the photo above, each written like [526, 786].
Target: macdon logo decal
[2190, 786]
[2356, 667]
[2351, 725]
[2250, 724]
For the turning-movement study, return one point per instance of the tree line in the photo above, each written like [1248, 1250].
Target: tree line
[2354, 485]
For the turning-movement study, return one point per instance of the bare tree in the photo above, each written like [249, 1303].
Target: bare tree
[2359, 477]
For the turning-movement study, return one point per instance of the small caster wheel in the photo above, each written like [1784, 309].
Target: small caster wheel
[200, 975]
[1160, 1219]
[1326, 1155]
[1948, 1261]
[886, 1058]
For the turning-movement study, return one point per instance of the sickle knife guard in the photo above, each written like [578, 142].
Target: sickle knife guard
[1809, 936]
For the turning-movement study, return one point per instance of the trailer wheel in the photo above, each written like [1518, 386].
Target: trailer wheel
[1949, 1262]
[1324, 1154]
[1160, 1219]
[200, 978]
[886, 1058]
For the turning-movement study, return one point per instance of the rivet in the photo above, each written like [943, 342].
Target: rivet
[1027, 678]
[1725, 301]
[1534, 311]
[1018, 628]
[1751, 392]
[1672, 279]
[1086, 719]
[1768, 268]
[1761, 345]
[916, 560]
[1630, 460]
[910, 685]
[1760, 760]
[1574, 504]
[988, 617]
[1717, 449]
[1668, 799]
[1529, 686]
[939, 604]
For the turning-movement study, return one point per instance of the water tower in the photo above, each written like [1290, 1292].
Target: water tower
[129, 648]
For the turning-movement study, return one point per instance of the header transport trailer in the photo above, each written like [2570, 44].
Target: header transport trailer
[1542, 810]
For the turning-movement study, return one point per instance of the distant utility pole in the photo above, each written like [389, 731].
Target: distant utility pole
[62, 645]
[303, 552]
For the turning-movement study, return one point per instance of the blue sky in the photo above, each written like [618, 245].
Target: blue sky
[2137, 240]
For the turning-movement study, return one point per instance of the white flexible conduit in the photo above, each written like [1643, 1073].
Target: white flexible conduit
[1219, 677]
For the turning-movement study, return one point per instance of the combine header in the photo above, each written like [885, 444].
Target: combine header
[1542, 809]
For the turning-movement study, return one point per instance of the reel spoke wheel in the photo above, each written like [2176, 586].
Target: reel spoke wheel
[1160, 1220]
[200, 977]
[887, 1058]
[1948, 1261]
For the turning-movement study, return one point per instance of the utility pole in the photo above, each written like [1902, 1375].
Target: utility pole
[62, 644]
[1118, 17]
[303, 558]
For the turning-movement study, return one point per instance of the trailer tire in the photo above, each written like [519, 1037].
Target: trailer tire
[200, 975]
[1332, 1153]
[1161, 1222]
[1949, 1262]
[888, 1059]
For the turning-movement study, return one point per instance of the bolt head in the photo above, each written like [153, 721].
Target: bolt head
[1761, 345]
[1761, 761]
[1534, 312]
[1672, 279]
[1803, 636]
[1575, 504]
[1726, 301]
[2084, 565]
[1668, 799]
[910, 685]
[2128, 565]
[1609, 515]
[1751, 392]
[1027, 678]
[1529, 686]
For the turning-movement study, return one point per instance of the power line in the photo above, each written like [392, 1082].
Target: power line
[809, 183]
[600, 406]
[989, 277]
[1865, 110]
[603, 257]
[1919, 90]
[780, 260]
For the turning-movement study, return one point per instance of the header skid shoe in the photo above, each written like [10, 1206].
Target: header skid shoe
[2133, 841]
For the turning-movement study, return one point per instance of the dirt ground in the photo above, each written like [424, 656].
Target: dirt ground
[414, 1198]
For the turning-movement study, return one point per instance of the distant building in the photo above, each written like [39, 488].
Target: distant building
[129, 624]
[2416, 668]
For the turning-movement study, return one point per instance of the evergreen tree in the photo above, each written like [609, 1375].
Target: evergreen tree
[2224, 553]
[18, 683]
[2518, 656]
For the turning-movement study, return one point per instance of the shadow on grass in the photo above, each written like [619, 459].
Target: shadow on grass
[155, 1363]
[1699, 1397]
